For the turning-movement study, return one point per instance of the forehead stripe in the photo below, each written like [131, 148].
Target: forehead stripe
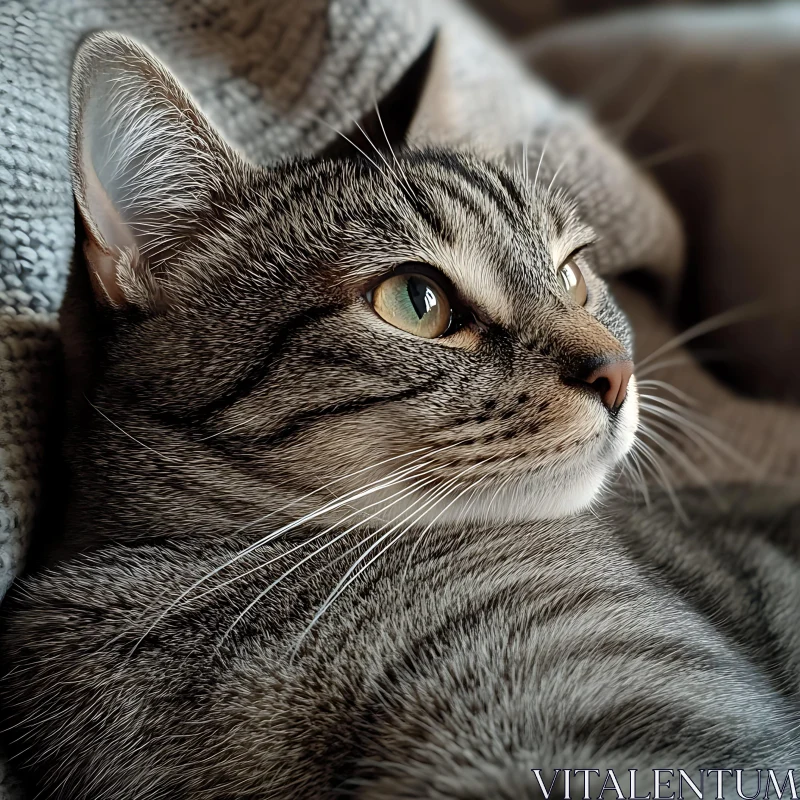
[511, 188]
[426, 211]
[456, 193]
[490, 187]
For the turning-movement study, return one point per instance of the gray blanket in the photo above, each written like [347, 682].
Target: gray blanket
[278, 76]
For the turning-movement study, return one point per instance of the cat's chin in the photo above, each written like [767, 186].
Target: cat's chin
[560, 494]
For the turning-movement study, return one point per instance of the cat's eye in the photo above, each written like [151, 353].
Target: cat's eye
[414, 303]
[572, 280]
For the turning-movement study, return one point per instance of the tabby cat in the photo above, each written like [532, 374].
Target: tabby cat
[336, 429]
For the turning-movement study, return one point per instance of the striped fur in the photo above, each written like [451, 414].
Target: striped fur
[449, 672]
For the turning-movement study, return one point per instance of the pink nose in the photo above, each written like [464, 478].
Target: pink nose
[609, 381]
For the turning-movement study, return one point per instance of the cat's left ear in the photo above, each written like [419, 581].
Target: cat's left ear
[146, 165]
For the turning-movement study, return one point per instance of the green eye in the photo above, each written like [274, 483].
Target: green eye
[572, 280]
[414, 304]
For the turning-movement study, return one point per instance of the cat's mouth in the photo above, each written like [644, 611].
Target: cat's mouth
[623, 424]
[581, 480]
[567, 481]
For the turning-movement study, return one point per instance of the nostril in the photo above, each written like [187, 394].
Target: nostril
[608, 379]
[601, 385]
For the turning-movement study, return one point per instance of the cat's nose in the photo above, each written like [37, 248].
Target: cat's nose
[607, 378]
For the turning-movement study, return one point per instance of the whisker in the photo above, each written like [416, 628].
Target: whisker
[669, 388]
[508, 479]
[354, 495]
[264, 592]
[684, 461]
[450, 482]
[634, 460]
[348, 578]
[541, 159]
[475, 486]
[385, 135]
[434, 520]
[681, 361]
[370, 488]
[525, 164]
[228, 430]
[475, 496]
[403, 183]
[673, 428]
[403, 493]
[729, 317]
[650, 457]
[422, 450]
[400, 180]
[555, 174]
[348, 140]
[438, 490]
[687, 418]
[269, 588]
[705, 356]
[132, 438]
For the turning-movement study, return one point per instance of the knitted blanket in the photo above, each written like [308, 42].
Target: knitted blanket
[279, 77]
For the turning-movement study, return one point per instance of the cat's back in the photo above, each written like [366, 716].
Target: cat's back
[462, 657]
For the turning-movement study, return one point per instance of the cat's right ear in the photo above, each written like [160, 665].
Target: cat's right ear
[146, 165]
[388, 124]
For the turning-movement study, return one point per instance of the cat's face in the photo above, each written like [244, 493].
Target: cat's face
[424, 317]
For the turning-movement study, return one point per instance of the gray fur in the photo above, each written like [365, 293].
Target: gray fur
[228, 367]
[495, 650]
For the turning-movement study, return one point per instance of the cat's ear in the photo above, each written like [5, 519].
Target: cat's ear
[386, 126]
[146, 164]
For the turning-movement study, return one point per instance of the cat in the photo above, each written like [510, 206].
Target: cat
[338, 428]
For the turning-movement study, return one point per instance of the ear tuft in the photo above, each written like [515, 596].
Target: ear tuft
[146, 163]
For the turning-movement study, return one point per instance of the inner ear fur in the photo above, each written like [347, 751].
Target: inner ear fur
[146, 164]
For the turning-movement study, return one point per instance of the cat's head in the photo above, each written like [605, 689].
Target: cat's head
[421, 317]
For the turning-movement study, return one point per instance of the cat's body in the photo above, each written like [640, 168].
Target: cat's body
[256, 421]
[448, 672]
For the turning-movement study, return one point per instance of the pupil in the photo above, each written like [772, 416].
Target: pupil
[422, 297]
